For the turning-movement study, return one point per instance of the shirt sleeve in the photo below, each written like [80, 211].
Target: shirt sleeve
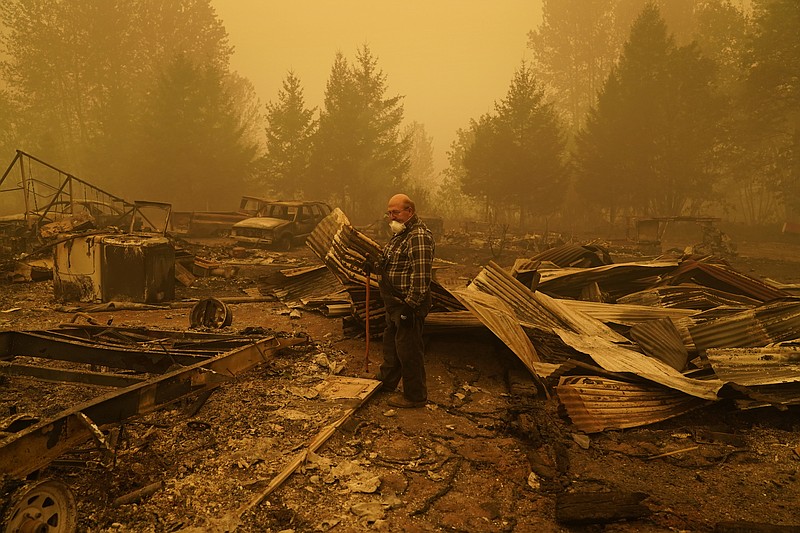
[421, 252]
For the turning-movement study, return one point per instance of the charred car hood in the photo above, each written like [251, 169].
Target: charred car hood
[261, 223]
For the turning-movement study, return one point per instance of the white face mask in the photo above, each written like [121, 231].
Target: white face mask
[396, 226]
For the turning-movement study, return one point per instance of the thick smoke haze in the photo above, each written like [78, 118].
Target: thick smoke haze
[451, 59]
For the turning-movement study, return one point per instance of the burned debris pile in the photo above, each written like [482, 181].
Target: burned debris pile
[621, 344]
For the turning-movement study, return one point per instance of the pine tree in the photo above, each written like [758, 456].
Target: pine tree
[195, 152]
[289, 134]
[359, 154]
[648, 143]
[517, 158]
[772, 98]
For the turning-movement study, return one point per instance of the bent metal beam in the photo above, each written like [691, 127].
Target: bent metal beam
[35, 447]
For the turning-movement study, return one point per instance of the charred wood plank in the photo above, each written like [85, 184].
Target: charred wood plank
[600, 507]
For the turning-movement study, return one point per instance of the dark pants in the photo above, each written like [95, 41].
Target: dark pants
[404, 353]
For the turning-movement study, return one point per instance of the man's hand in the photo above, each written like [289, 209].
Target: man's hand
[407, 312]
[373, 262]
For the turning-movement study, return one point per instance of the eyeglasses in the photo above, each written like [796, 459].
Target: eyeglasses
[395, 212]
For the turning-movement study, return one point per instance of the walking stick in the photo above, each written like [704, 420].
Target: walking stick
[366, 354]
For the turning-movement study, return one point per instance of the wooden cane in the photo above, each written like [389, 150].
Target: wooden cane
[366, 354]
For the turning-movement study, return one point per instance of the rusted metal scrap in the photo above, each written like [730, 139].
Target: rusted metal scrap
[36, 446]
[596, 403]
[769, 323]
[44, 197]
[724, 278]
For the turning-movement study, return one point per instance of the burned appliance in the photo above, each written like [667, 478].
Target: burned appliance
[115, 267]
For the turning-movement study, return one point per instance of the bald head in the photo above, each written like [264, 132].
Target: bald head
[400, 208]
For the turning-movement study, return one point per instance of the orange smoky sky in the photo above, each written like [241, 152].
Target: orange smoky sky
[450, 59]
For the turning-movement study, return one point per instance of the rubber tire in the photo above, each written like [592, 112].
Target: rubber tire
[285, 243]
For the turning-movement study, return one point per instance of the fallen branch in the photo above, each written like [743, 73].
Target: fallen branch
[138, 494]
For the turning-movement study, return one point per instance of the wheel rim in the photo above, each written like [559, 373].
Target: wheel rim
[46, 507]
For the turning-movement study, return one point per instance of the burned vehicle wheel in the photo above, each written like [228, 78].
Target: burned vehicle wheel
[45, 506]
[285, 243]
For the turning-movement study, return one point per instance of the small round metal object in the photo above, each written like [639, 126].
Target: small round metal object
[44, 507]
[210, 313]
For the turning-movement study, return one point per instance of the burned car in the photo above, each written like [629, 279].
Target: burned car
[281, 224]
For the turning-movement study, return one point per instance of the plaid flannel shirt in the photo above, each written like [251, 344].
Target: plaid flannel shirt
[408, 261]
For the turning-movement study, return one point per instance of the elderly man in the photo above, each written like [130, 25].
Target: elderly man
[405, 288]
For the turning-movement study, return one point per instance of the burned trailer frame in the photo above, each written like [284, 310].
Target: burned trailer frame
[34, 448]
[44, 192]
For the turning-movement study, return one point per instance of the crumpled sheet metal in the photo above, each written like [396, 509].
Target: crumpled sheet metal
[778, 321]
[617, 359]
[687, 296]
[500, 319]
[575, 255]
[723, 278]
[662, 340]
[626, 314]
[616, 280]
[343, 249]
[299, 284]
[597, 404]
[756, 366]
[536, 309]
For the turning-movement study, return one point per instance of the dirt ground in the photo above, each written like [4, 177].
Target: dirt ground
[483, 456]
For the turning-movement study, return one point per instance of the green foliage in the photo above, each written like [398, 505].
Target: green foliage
[448, 197]
[516, 157]
[648, 143]
[359, 154]
[290, 132]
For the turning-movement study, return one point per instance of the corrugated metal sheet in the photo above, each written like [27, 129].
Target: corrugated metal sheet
[687, 296]
[499, 318]
[596, 404]
[294, 285]
[770, 323]
[344, 250]
[615, 280]
[756, 366]
[627, 315]
[538, 310]
[575, 255]
[723, 278]
[618, 359]
[779, 395]
[661, 339]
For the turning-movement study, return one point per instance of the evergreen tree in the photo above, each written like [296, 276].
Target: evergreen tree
[359, 154]
[517, 157]
[772, 97]
[289, 133]
[648, 143]
[449, 198]
[574, 49]
[194, 150]
[79, 72]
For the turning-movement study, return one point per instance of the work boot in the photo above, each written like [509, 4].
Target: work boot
[404, 403]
